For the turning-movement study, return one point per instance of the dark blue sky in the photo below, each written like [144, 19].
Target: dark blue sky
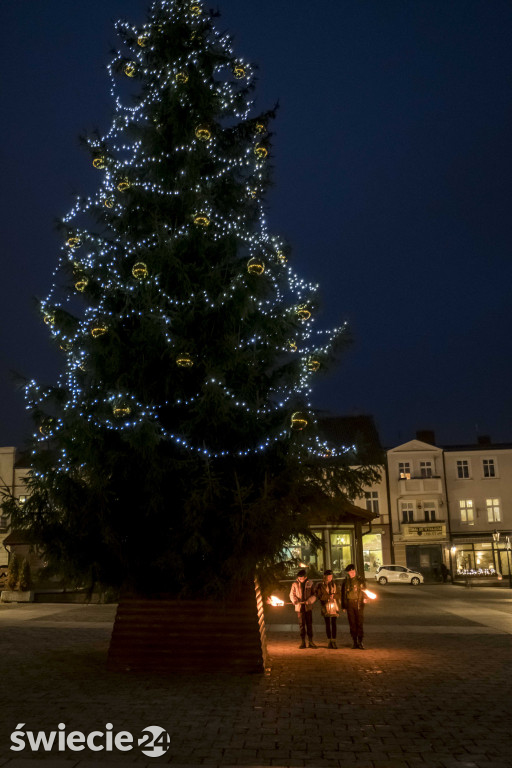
[392, 156]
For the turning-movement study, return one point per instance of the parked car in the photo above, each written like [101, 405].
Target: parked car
[398, 573]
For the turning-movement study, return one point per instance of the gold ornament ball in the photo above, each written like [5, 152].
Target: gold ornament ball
[142, 40]
[49, 319]
[184, 360]
[99, 162]
[292, 345]
[255, 266]
[121, 409]
[260, 127]
[303, 312]
[203, 133]
[201, 220]
[313, 364]
[260, 151]
[124, 184]
[181, 77]
[109, 202]
[195, 9]
[140, 270]
[281, 257]
[130, 69]
[81, 284]
[299, 421]
[73, 242]
[239, 71]
[99, 329]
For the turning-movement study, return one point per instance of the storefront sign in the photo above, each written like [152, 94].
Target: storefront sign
[430, 531]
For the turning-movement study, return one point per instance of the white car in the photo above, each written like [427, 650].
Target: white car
[398, 573]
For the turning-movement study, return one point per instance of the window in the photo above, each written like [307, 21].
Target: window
[372, 501]
[4, 523]
[462, 468]
[407, 509]
[404, 470]
[467, 511]
[493, 510]
[426, 468]
[430, 511]
[489, 468]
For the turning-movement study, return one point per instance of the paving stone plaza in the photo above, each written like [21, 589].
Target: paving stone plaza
[432, 689]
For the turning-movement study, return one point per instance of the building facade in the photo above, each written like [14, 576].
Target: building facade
[451, 505]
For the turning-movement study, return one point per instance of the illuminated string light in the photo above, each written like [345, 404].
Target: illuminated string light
[136, 178]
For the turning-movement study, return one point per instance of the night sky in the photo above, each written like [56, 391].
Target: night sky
[392, 169]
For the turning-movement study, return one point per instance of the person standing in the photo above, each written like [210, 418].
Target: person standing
[302, 595]
[352, 602]
[328, 594]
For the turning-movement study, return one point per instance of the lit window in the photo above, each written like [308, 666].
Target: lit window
[372, 501]
[467, 511]
[489, 468]
[493, 510]
[22, 499]
[462, 468]
[404, 470]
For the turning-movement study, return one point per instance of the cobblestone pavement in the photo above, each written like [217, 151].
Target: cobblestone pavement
[432, 690]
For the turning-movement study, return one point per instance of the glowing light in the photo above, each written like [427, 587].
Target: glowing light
[275, 601]
[370, 594]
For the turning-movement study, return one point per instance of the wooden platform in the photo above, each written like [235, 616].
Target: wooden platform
[172, 636]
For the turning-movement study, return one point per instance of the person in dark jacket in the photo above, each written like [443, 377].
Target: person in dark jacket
[352, 602]
[302, 595]
[328, 594]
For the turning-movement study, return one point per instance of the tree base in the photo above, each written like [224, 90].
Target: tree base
[166, 636]
[16, 596]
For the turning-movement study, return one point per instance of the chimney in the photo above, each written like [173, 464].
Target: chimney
[484, 440]
[426, 436]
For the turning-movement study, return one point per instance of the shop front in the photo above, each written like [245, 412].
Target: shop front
[341, 542]
[480, 556]
[425, 546]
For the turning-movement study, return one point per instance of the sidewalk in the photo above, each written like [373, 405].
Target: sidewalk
[432, 690]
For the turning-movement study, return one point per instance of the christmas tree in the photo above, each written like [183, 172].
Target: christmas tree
[179, 450]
